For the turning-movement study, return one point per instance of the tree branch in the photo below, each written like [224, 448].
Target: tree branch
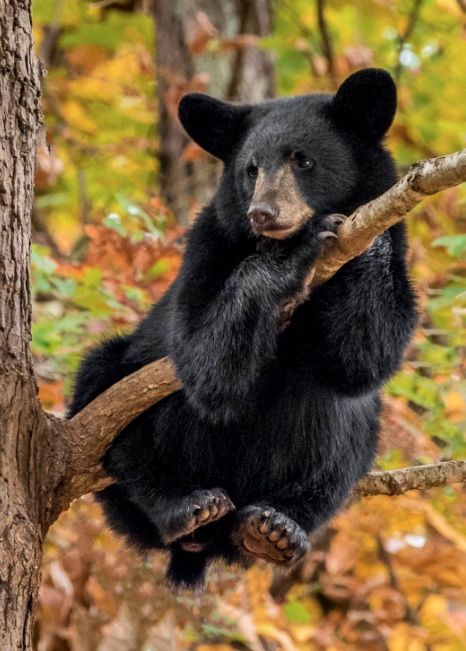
[397, 482]
[358, 232]
[88, 434]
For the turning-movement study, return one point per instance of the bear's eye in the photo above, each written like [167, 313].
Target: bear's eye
[301, 161]
[253, 171]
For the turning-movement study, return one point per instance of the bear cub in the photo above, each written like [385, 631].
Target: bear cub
[274, 425]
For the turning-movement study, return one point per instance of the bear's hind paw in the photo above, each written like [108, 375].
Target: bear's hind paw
[193, 511]
[266, 533]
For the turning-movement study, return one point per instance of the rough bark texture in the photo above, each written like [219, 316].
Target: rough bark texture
[20, 419]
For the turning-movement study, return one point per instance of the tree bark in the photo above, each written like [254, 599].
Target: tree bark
[21, 422]
[252, 77]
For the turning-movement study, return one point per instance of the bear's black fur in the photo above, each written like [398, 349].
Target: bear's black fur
[284, 422]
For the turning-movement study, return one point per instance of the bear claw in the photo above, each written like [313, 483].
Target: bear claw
[325, 235]
[334, 220]
[329, 225]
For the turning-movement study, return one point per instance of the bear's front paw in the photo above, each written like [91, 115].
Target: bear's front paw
[193, 511]
[266, 533]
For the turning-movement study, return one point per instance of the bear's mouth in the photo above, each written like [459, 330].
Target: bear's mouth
[191, 546]
[279, 232]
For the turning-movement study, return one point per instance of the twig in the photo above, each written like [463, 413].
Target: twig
[384, 556]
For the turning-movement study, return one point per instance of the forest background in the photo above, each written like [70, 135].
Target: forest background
[117, 185]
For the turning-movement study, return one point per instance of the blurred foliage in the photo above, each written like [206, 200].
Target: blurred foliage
[391, 574]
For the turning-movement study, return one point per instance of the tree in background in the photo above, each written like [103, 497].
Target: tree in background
[238, 70]
[204, 46]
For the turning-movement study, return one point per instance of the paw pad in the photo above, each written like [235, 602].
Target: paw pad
[269, 534]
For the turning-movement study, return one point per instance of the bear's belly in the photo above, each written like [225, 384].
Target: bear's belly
[272, 447]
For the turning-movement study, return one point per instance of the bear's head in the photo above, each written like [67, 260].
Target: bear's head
[289, 159]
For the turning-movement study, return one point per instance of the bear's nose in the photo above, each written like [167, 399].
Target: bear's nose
[262, 215]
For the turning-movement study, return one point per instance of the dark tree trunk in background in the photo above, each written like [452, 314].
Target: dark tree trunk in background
[20, 532]
[174, 67]
[240, 73]
[252, 76]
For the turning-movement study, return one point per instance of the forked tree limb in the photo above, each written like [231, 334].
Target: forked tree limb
[90, 432]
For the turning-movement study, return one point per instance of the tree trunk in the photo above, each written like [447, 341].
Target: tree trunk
[245, 74]
[20, 419]
[252, 76]
[174, 67]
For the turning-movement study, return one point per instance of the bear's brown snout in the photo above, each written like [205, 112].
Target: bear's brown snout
[277, 208]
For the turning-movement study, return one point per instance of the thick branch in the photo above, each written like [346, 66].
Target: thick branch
[121, 403]
[90, 432]
[358, 232]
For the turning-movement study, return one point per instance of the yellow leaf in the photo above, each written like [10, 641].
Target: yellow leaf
[443, 527]
[455, 406]
[77, 117]
[406, 638]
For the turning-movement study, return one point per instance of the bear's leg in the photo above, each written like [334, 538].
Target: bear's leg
[176, 517]
[264, 532]
[186, 570]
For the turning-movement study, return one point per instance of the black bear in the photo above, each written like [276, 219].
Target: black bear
[273, 426]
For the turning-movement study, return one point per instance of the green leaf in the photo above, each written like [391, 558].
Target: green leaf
[455, 244]
[158, 269]
[296, 612]
[113, 221]
[421, 390]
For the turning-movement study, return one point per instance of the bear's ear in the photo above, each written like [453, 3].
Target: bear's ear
[365, 103]
[214, 125]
